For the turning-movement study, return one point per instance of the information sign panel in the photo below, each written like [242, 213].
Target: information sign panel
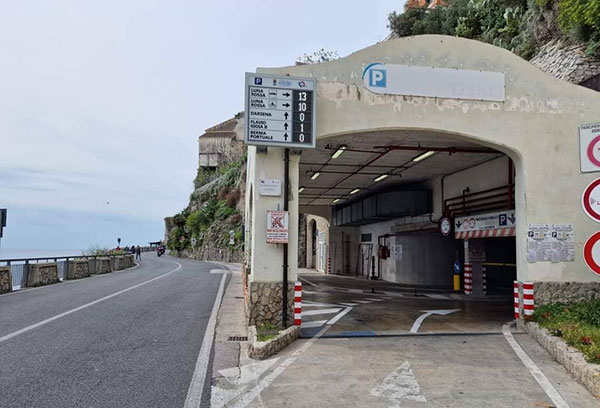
[277, 227]
[280, 111]
[589, 147]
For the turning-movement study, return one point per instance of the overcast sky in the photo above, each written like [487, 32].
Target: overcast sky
[101, 102]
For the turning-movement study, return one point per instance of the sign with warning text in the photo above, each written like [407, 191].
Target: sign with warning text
[277, 227]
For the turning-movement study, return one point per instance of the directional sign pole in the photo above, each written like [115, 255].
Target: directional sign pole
[286, 176]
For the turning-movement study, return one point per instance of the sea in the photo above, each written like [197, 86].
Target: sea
[10, 253]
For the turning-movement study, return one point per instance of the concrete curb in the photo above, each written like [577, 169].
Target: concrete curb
[570, 358]
[264, 349]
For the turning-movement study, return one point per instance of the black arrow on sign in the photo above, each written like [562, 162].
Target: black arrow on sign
[286, 94]
[512, 218]
[285, 115]
[457, 224]
[287, 105]
[285, 136]
[285, 126]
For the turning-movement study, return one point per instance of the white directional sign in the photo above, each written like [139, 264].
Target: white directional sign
[589, 147]
[280, 111]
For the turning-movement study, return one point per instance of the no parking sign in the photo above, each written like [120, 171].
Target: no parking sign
[589, 147]
[591, 253]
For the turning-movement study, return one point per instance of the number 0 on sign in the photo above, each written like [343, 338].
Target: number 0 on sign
[590, 200]
[280, 111]
[591, 253]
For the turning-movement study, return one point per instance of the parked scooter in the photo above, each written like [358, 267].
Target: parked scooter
[160, 250]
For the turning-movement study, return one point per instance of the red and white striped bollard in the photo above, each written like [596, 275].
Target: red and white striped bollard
[468, 278]
[516, 299]
[297, 303]
[528, 299]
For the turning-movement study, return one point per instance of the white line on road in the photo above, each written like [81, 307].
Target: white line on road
[362, 301]
[338, 316]
[68, 312]
[417, 324]
[320, 311]
[255, 392]
[312, 323]
[194, 395]
[548, 388]
[348, 304]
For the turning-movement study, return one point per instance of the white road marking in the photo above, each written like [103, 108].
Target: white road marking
[400, 385]
[320, 311]
[417, 324]
[314, 323]
[266, 381]
[68, 312]
[348, 304]
[194, 395]
[436, 296]
[248, 373]
[362, 301]
[548, 388]
[309, 282]
[309, 303]
[375, 299]
[338, 316]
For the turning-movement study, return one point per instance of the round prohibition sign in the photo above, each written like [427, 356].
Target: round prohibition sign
[591, 151]
[591, 253]
[590, 200]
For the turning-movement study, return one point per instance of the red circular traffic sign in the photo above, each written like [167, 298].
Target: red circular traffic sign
[591, 253]
[590, 200]
[591, 151]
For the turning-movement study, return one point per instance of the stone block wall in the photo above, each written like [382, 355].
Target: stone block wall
[103, 265]
[42, 274]
[79, 268]
[5, 279]
[265, 301]
[119, 263]
[565, 292]
[129, 260]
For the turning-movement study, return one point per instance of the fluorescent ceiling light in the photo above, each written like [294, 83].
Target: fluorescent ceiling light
[339, 152]
[336, 200]
[301, 189]
[356, 190]
[382, 177]
[315, 175]
[423, 156]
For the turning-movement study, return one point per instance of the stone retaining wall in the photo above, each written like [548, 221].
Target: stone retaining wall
[574, 362]
[42, 274]
[129, 261]
[5, 279]
[265, 301]
[565, 292]
[78, 269]
[103, 265]
[265, 349]
[566, 61]
[119, 263]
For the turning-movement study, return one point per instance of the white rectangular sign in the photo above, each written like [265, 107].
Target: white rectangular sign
[589, 147]
[550, 243]
[269, 187]
[433, 82]
[277, 227]
[482, 222]
[280, 111]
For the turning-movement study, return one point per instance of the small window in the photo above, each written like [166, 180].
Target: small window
[366, 237]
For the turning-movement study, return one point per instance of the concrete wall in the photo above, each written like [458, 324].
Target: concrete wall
[42, 274]
[536, 125]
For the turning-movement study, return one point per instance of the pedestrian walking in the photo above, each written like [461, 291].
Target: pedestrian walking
[138, 253]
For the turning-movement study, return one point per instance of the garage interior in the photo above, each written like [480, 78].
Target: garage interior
[371, 205]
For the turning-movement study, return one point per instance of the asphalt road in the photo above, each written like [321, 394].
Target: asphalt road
[136, 349]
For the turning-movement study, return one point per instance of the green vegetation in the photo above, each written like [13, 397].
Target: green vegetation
[213, 212]
[577, 323]
[97, 250]
[267, 331]
[521, 26]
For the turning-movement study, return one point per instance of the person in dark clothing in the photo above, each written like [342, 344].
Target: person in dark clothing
[138, 253]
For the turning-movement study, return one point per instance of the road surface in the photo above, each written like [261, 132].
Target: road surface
[132, 348]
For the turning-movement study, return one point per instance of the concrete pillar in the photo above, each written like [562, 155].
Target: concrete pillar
[265, 262]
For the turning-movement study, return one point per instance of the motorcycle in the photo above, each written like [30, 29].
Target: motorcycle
[160, 250]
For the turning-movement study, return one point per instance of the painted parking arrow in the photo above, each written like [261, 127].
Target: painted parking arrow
[417, 324]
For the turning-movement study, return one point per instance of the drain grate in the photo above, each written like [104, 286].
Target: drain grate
[237, 338]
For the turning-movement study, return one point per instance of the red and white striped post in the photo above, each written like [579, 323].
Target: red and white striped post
[484, 279]
[297, 304]
[528, 299]
[516, 299]
[468, 279]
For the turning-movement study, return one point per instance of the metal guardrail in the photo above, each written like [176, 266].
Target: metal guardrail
[19, 267]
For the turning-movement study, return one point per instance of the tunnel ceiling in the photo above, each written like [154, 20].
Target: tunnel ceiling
[370, 155]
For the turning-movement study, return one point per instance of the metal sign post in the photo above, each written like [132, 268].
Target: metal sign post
[2, 224]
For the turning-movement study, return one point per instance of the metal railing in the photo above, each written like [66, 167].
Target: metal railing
[19, 267]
